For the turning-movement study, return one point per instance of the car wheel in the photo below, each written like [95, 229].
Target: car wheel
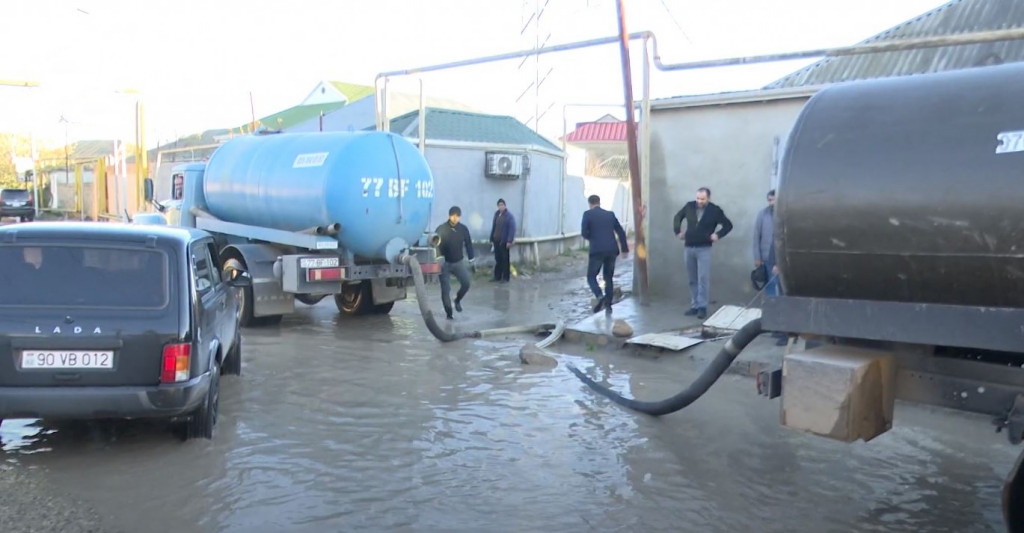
[203, 420]
[233, 363]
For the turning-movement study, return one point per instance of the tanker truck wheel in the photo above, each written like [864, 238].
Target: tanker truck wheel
[247, 317]
[356, 299]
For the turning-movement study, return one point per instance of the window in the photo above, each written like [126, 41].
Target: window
[77, 276]
[204, 272]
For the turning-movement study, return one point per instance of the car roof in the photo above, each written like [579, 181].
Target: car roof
[98, 230]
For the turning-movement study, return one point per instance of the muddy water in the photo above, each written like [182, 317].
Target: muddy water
[372, 425]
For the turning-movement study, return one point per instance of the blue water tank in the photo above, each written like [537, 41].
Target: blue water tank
[376, 184]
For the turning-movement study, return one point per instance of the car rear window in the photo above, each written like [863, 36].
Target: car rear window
[82, 276]
[14, 194]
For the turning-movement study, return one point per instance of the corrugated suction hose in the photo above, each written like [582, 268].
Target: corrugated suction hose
[707, 378]
[444, 336]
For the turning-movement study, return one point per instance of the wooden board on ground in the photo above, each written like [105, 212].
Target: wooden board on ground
[729, 319]
[668, 341]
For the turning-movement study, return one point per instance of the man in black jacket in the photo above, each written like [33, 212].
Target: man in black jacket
[600, 227]
[503, 236]
[452, 238]
[703, 218]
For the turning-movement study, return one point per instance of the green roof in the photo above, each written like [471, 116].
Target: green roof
[353, 91]
[464, 126]
[296, 115]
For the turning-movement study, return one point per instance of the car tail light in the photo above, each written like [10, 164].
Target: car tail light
[176, 363]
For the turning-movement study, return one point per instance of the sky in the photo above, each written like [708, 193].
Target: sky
[194, 63]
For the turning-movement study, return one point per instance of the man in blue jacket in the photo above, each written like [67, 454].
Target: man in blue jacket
[503, 236]
[600, 227]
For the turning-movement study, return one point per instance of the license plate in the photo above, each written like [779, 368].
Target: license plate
[66, 360]
[319, 262]
[17, 204]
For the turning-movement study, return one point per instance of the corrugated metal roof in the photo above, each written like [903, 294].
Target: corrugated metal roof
[463, 126]
[957, 16]
[589, 132]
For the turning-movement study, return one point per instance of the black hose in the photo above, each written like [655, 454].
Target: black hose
[707, 378]
[421, 299]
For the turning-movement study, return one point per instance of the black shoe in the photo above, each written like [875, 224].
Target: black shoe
[495, 281]
[608, 310]
[598, 306]
[691, 312]
[458, 306]
[702, 313]
[448, 314]
[781, 341]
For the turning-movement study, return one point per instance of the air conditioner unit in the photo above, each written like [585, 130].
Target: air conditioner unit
[506, 165]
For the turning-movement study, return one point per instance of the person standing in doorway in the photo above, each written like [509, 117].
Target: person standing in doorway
[764, 254]
[764, 245]
[503, 236]
[706, 224]
[452, 237]
[601, 227]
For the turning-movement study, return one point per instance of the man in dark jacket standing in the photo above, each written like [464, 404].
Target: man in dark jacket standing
[452, 238]
[600, 227]
[503, 235]
[703, 218]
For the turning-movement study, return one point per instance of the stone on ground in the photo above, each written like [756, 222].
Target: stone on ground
[530, 354]
[621, 328]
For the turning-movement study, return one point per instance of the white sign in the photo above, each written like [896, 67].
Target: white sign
[1010, 142]
[66, 360]
[310, 160]
[397, 187]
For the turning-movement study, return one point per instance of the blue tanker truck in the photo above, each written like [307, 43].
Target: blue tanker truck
[311, 215]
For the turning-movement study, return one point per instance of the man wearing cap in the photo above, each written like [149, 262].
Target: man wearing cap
[452, 237]
[503, 234]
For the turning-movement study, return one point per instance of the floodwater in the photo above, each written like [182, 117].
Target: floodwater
[371, 424]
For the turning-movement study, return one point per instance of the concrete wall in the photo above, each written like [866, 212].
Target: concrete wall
[534, 199]
[729, 148]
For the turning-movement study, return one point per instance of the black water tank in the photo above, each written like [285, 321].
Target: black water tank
[908, 189]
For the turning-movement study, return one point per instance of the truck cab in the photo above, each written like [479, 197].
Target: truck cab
[107, 320]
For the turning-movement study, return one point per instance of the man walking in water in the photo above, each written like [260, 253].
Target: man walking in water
[503, 234]
[703, 218]
[600, 227]
[452, 238]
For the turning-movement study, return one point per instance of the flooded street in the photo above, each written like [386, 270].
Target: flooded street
[371, 424]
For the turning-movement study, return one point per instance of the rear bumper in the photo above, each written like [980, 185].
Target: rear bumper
[23, 211]
[103, 402]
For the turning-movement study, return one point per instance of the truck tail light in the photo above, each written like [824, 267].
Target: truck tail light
[176, 363]
[430, 268]
[324, 274]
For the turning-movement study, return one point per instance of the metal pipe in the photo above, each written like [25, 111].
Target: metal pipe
[857, 49]
[531, 240]
[640, 246]
[645, 165]
[423, 121]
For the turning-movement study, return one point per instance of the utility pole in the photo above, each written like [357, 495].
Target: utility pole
[640, 247]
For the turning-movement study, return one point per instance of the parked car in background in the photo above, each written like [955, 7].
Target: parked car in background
[17, 203]
[110, 320]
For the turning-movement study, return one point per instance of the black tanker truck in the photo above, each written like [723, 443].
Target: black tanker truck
[900, 241]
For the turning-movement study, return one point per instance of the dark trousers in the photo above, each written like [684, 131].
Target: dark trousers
[599, 263]
[462, 274]
[502, 265]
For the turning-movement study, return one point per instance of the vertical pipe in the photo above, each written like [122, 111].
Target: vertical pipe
[35, 178]
[645, 154]
[384, 122]
[423, 121]
[321, 120]
[565, 172]
[640, 248]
